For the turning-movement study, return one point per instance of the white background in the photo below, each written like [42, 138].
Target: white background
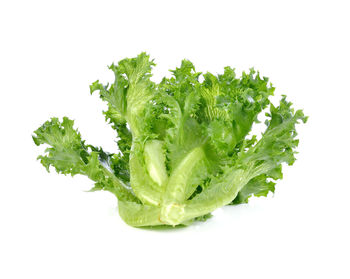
[51, 51]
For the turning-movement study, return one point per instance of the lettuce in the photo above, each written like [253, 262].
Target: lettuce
[185, 145]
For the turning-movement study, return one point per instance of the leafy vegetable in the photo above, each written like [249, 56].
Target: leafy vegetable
[185, 147]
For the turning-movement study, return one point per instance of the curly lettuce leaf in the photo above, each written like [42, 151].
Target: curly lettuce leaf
[68, 154]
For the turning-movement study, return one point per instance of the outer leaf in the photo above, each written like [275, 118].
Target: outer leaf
[68, 154]
[276, 146]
